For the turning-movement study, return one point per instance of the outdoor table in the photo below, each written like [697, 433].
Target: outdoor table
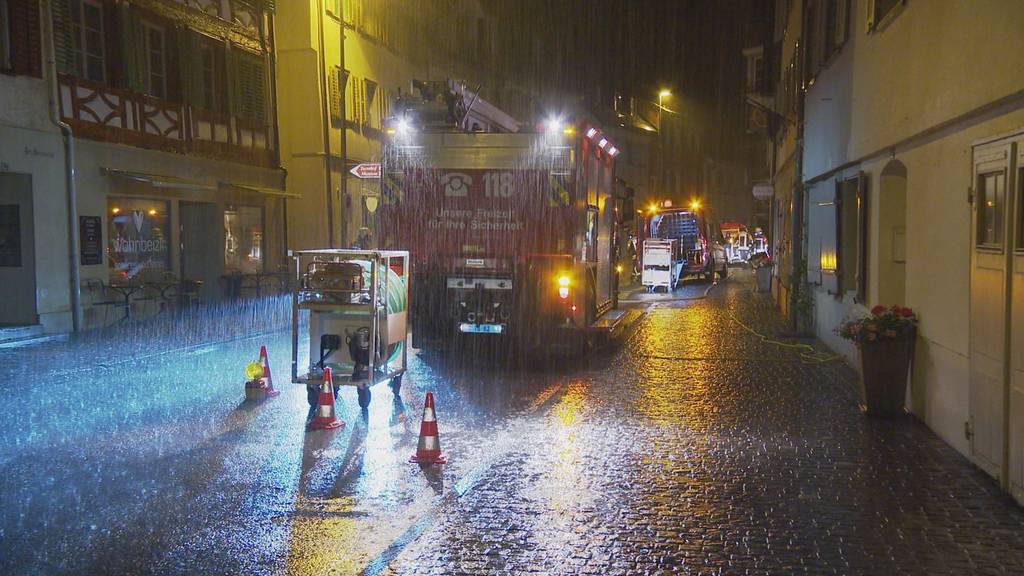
[126, 289]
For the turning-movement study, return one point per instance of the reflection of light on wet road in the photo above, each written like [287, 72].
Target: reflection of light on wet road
[668, 394]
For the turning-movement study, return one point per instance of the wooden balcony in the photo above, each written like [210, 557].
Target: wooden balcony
[101, 112]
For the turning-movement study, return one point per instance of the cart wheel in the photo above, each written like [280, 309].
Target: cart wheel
[363, 396]
[396, 384]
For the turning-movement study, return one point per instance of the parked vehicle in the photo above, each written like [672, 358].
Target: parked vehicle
[512, 235]
[738, 244]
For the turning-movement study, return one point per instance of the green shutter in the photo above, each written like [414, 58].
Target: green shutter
[246, 85]
[190, 66]
[230, 57]
[64, 50]
[133, 43]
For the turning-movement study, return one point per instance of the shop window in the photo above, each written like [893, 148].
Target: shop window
[243, 239]
[139, 234]
[851, 236]
[87, 39]
[991, 202]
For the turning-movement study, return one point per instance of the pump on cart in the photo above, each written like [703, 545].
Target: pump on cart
[352, 305]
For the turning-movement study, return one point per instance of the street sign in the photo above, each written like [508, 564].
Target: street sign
[367, 170]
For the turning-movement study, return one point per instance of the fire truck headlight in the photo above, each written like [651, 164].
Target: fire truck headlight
[563, 292]
[554, 125]
[402, 127]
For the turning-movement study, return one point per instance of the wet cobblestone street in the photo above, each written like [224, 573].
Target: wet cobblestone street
[697, 448]
[690, 446]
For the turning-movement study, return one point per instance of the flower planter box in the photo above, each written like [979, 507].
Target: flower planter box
[884, 366]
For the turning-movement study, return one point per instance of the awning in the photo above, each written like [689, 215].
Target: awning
[161, 181]
[158, 180]
[258, 189]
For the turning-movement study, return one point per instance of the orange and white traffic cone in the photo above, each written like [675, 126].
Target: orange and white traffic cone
[428, 451]
[268, 378]
[325, 418]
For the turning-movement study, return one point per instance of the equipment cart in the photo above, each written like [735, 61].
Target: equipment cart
[355, 303]
[662, 264]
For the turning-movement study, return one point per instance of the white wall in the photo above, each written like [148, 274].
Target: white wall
[934, 62]
[30, 144]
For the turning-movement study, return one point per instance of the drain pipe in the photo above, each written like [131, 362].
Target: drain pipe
[75, 288]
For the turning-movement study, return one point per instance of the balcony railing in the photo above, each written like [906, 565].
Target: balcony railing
[101, 112]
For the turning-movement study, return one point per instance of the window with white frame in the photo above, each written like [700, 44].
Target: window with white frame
[5, 36]
[156, 60]
[87, 39]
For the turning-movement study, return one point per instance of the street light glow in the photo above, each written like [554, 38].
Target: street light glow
[665, 93]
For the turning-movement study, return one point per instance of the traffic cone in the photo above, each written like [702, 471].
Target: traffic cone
[325, 418]
[428, 451]
[268, 378]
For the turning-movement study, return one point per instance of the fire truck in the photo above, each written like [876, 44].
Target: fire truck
[512, 235]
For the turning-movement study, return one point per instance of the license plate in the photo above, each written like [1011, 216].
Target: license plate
[481, 328]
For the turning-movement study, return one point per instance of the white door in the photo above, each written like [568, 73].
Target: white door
[1016, 412]
[17, 251]
[991, 240]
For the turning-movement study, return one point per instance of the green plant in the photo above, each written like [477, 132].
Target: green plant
[892, 323]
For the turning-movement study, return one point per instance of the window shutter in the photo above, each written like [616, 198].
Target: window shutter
[334, 93]
[25, 37]
[190, 66]
[64, 52]
[133, 53]
[246, 85]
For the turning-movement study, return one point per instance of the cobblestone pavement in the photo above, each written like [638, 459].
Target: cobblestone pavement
[690, 447]
[698, 449]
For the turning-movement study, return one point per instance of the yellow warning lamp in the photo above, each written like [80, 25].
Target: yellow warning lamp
[694, 204]
[653, 208]
[254, 370]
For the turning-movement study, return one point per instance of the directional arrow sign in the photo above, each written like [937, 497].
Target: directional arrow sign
[369, 170]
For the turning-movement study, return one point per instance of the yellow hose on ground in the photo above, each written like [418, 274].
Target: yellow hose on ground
[808, 354]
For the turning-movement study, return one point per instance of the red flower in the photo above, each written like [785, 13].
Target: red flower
[906, 313]
[878, 310]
